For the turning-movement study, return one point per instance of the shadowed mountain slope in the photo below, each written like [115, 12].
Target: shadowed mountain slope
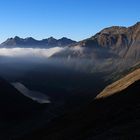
[18, 113]
[114, 117]
[13, 104]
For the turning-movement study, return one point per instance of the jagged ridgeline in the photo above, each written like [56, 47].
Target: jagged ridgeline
[31, 42]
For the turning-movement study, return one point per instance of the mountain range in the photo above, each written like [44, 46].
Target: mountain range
[31, 42]
[111, 42]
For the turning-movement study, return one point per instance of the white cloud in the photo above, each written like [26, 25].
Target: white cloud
[29, 52]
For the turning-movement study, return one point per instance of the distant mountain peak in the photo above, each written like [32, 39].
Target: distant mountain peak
[30, 38]
[137, 24]
[135, 27]
[114, 30]
[63, 38]
[16, 37]
[51, 38]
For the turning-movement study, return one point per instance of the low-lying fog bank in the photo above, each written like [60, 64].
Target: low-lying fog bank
[17, 62]
[29, 52]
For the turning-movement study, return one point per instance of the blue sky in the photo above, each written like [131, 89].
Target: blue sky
[76, 19]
